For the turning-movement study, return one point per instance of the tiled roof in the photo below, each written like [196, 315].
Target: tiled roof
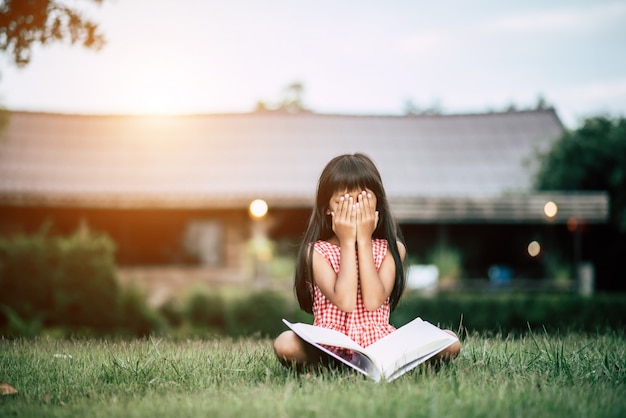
[227, 160]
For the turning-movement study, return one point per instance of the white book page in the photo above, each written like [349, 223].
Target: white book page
[416, 339]
[419, 357]
[391, 374]
[325, 336]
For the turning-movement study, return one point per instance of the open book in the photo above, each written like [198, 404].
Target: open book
[388, 358]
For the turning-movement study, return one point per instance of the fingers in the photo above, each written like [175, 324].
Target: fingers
[351, 209]
[373, 202]
[367, 202]
[367, 215]
[371, 199]
[344, 218]
[345, 207]
[361, 209]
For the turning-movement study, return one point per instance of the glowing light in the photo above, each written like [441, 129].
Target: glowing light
[157, 101]
[550, 209]
[258, 208]
[153, 97]
[534, 249]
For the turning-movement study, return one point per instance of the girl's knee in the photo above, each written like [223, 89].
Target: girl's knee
[287, 346]
[453, 350]
[293, 351]
[280, 343]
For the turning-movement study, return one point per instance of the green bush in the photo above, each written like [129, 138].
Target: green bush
[68, 283]
[27, 277]
[136, 317]
[509, 312]
[206, 308]
[63, 281]
[204, 312]
[260, 313]
[86, 288]
[173, 312]
[14, 326]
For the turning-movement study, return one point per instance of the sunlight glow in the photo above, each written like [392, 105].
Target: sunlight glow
[153, 90]
[157, 101]
[153, 98]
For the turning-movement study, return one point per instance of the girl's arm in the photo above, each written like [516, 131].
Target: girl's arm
[376, 285]
[340, 289]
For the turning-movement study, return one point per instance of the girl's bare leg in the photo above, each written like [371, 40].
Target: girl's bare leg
[450, 352]
[292, 350]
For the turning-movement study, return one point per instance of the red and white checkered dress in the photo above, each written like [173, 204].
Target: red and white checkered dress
[363, 326]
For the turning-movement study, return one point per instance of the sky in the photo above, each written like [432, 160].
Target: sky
[352, 57]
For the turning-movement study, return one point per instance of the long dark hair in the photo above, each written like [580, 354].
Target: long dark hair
[346, 172]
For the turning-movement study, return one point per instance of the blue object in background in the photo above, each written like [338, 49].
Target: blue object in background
[500, 275]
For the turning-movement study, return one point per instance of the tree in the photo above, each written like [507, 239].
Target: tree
[592, 157]
[24, 23]
[291, 101]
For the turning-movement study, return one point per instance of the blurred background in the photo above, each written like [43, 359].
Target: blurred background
[162, 157]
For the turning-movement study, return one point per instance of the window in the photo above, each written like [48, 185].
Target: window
[204, 240]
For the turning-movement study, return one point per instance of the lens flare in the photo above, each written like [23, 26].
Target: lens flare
[550, 209]
[534, 249]
[258, 208]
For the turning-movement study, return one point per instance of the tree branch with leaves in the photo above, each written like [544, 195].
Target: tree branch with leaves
[24, 23]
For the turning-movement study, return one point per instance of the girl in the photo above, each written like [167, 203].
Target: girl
[349, 271]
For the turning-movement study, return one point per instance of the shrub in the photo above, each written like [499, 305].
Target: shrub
[260, 313]
[515, 313]
[14, 326]
[68, 281]
[173, 313]
[136, 316]
[27, 276]
[205, 308]
[86, 289]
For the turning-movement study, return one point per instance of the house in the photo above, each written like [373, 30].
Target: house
[175, 190]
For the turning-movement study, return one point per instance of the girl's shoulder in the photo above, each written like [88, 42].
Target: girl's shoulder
[379, 246]
[324, 246]
[328, 251]
[382, 245]
[379, 242]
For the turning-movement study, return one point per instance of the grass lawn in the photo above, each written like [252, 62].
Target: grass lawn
[536, 375]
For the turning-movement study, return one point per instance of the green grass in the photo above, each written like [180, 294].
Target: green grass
[569, 375]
